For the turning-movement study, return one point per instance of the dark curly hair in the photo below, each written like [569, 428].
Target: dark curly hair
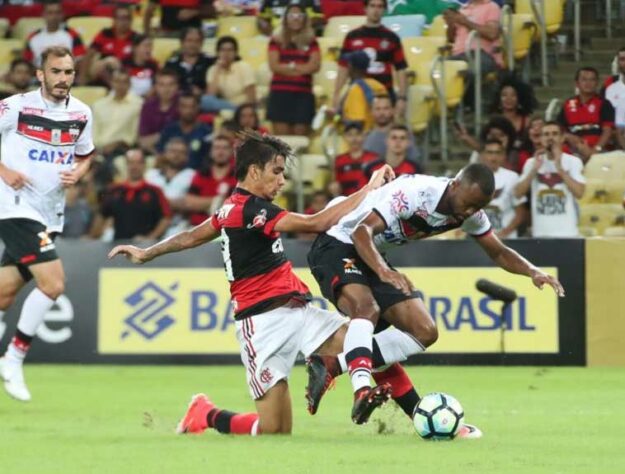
[525, 93]
[500, 123]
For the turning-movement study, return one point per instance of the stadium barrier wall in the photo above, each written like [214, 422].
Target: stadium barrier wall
[176, 309]
[605, 304]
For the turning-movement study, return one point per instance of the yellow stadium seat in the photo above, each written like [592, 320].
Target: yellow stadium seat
[10, 49]
[601, 216]
[325, 80]
[438, 27]
[89, 26]
[420, 107]
[89, 94]
[25, 26]
[209, 46]
[4, 27]
[312, 165]
[523, 30]
[606, 166]
[263, 80]
[419, 50]
[254, 50]
[238, 26]
[600, 191]
[614, 231]
[330, 48]
[164, 48]
[339, 26]
[554, 13]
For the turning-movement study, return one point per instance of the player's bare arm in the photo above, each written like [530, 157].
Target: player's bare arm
[362, 237]
[13, 178]
[323, 220]
[512, 262]
[205, 232]
[78, 171]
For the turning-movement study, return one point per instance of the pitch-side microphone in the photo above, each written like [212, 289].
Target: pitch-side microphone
[495, 291]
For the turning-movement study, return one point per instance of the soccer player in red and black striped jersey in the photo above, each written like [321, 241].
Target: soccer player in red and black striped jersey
[386, 53]
[274, 320]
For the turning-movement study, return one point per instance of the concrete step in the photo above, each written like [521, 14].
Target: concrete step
[613, 44]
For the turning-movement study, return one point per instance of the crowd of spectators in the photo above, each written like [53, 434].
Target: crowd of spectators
[166, 134]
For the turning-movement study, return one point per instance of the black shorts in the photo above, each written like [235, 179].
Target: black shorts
[26, 242]
[291, 107]
[335, 264]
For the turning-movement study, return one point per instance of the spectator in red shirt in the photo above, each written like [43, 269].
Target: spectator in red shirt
[141, 66]
[159, 111]
[109, 48]
[136, 210]
[587, 118]
[54, 33]
[397, 143]
[385, 52]
[293, 58]
[349, 168]
[211, 185]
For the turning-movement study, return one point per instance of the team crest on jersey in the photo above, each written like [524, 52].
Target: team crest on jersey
[56, 137]
[224, 211]
[384, 44]
[400, 202]
[45, 242]
[349, 266]
[358, 43]
[259, 220]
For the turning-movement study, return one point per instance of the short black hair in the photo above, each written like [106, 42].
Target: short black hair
[189, 95]
[586, 69]
[354, 126]
[477, 173]
[491, 141]
[259, 150]
[22, 61]
[227, 39]
[553, 123]
[191, 29]
[385, 3]
[400, 127]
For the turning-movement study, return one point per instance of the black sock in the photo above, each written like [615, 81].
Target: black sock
[219, 420]
[376, 356]
[25, 338]
[408, 401]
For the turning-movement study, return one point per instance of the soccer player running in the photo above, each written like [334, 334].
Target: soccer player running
[274, 320]
[349, 264]
[46, 147]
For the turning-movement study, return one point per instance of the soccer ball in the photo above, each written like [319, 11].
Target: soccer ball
[438, 416]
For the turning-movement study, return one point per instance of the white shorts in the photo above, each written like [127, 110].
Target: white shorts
[270, 342]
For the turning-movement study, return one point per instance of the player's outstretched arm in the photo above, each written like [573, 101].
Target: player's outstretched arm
[323, 220]
[200, 234]
[513, 262]
[362, 236]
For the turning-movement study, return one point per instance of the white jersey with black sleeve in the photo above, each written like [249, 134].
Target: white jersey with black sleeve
[40, 139]
[407, 205]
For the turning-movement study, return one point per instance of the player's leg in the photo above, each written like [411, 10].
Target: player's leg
[11, 282]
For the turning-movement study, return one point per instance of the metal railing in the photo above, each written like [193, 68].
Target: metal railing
[437, 76]
[507, 19]
[475, 63]
[577, 29]
[538, 7]
[551, 113]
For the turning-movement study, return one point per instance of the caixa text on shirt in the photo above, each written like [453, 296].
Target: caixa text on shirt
[57, 157]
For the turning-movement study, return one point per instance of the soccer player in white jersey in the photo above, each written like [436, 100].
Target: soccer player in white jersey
[46, 147]
[348, 263]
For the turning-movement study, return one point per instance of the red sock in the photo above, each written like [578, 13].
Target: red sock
[404, 392]
[244, 423]
[228, 422]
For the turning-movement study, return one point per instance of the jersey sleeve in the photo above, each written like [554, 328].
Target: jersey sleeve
[396, 200]
[84, 144]
[477, 225]
[9, 111]
[262, 216]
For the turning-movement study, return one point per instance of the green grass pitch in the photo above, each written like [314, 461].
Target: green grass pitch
[111, 419]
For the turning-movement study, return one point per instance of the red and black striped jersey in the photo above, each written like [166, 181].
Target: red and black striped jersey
[350, 173]
[107, 43]
[256, 267]
[384, 49]
[287, 55]
[587, 120]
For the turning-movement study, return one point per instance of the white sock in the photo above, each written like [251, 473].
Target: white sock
[357, 348]
[396, 345]
[36, 305]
